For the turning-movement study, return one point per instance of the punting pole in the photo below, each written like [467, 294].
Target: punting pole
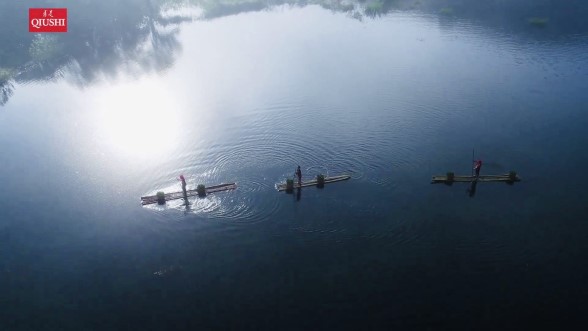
[472, 165]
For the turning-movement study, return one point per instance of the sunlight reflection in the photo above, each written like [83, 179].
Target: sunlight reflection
[138, 119]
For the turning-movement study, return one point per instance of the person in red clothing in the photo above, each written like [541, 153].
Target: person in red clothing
[477, 167]
[183, 182]
[184, 189]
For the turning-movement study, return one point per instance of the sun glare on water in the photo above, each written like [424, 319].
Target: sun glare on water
[139, 120]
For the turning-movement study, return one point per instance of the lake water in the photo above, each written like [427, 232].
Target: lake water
[391, 93]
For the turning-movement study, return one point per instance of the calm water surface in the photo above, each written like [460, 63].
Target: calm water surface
[92, 120]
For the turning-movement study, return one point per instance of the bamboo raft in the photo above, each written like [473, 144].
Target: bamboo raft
[147, 200]
[468, 179]
[328, 180]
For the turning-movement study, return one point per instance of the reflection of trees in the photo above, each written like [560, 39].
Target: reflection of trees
[6, 87]
[219, 8]
[564, 18]
[106, 38]
[135, 37]
[6, 90]
[103, 39]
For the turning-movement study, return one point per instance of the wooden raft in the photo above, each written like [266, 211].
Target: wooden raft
[469, 179]
[179, 195]
[328, 180]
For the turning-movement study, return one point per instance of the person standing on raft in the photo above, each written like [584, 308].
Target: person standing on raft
[184, 187]
[298, 173]
[183, 182]
[477, 167]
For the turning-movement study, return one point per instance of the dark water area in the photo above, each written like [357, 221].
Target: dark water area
[390, 92]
